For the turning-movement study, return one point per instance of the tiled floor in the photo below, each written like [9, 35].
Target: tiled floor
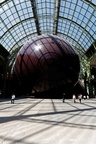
[47, 121]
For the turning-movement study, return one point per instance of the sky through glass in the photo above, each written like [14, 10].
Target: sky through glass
[74, 21]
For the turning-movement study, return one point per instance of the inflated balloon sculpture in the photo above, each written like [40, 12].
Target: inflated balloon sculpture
[46, 63]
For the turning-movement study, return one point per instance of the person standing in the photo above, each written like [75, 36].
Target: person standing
[63, 97]
[12, 98]
[74, 98]
[80, 97]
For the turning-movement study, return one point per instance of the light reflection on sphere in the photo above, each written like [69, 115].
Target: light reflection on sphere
[46, 62]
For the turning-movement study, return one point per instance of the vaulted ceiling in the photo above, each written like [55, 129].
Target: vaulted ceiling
[73, 20]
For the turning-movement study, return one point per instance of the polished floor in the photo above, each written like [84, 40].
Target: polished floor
[47, 121]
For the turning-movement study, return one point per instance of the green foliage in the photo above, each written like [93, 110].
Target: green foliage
[85, 66]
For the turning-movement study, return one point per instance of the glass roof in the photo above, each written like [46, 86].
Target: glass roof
[73, 20]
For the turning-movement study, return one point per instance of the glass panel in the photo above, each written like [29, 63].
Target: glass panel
[73, 20]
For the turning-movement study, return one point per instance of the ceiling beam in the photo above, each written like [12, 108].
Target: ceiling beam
[56, 17]
[34, 8]
[89, 2]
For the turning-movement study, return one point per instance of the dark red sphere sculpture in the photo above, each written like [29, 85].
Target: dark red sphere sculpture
[46, 63]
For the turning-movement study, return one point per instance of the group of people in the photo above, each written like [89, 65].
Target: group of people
[80, 97]
[74, 97]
